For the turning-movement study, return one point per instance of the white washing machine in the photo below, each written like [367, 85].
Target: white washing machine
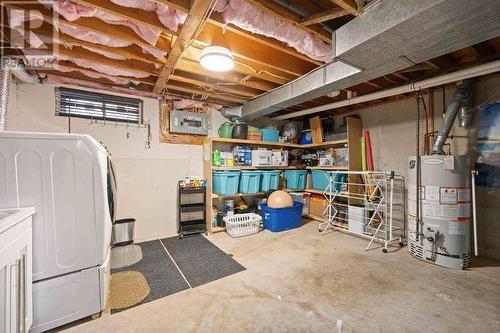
[70, 180]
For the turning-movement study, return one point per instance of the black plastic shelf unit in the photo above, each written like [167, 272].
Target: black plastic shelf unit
[197, 224]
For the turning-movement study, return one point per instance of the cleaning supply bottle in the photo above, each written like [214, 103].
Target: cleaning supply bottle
[216, 158]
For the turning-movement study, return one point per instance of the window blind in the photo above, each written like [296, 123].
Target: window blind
[91, 105]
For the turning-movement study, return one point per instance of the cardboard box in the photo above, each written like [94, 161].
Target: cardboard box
[262, 157]
[317, 205]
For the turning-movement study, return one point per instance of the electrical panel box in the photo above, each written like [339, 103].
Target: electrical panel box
[188, 122]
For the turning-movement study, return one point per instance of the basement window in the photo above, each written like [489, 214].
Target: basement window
[91, 105]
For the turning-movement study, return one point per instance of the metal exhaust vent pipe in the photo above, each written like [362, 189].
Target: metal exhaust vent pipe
[5, 77]
[462, 96]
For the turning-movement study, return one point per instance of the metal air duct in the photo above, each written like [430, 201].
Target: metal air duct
[5, 77]
[462, 96]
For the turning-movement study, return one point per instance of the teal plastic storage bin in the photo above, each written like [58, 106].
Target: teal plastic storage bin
[225, 182]
[296, 179]
[250, 181]
[270, 134]
[320, 180]
[269, 180]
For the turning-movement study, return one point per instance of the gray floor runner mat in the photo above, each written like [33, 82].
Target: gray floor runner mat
[199, 260]
[159, 270]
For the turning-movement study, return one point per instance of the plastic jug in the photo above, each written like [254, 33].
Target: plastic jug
[216, 158]
[226, 130]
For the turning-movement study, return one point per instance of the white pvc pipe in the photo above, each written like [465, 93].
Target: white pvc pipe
[474, 220]
[463, 74]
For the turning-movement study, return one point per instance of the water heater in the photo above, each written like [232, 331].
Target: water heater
[441, 233]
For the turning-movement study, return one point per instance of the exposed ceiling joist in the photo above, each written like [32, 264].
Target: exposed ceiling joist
[95, 25]
[225, 97]
[349, 5]
[325, 15]
[292, 17]
[149, 19]
[45, 34]
[216, 20]
[228, 77]
[187, 33]
[212, 86]
[183, 5]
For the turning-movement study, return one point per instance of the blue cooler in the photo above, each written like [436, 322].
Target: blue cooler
[225, 182]
[280, 219]
[296, 179]
[269, 180]
[250, 181]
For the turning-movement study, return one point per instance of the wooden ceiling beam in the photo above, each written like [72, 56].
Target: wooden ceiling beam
[208, 100]
[264, 56]
[186, 34]
[325, 15]
[250, 67]
[211, 86]
[183, 5]
[96, 25]
[227, 77]
[140, 16]
[150, 80]
[483, 49]
[198, 92]
[129, 52]
[217, 21]
[211, 32]
[349, 5]
[106, 82]
[288, 15]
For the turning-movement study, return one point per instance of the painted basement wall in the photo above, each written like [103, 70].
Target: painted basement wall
[147, 178]
[392, 129]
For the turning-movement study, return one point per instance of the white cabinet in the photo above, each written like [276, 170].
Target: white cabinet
[16, 310]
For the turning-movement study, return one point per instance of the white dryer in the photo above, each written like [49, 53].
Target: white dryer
[70, 180]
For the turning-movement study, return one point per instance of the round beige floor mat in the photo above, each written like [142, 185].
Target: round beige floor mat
[127, 289]
[123, 256]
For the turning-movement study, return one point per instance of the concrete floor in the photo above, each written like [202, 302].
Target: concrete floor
[300, 281]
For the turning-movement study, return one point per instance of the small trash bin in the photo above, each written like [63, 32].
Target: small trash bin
[123, 231]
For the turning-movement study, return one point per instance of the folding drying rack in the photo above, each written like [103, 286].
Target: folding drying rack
[380, 196]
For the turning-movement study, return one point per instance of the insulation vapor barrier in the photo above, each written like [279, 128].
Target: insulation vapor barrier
[250, 17]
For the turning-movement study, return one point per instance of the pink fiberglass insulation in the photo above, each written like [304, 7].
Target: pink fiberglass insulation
[105, 69]
[55, 79]
[92, 74]
[189, 103]
[154, 52]
[103, 39]
[169, 17]
[92, 36]
[250, 17]
[72, 11]
[107, 54]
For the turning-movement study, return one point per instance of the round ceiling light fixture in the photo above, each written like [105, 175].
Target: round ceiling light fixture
[216, 58]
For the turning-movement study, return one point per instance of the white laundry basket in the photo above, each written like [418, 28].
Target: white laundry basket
[239, 225]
